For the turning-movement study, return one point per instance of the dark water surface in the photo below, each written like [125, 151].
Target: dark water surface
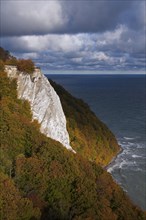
[120, 102]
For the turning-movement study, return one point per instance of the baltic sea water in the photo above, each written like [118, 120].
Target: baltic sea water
[120, 102]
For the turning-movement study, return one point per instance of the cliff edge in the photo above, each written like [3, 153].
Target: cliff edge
[44, 101]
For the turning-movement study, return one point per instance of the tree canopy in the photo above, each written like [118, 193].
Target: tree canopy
[40, 179]
[26, 66]
[23, 65]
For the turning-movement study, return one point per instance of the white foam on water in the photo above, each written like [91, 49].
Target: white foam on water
[126, 160]
[119, 163]
[140, 146]
[130, 138]
[130, 144]
[112, 167]
[122, 164]
[139, 169]
[126, 145]
[127, 163]
[136, 156]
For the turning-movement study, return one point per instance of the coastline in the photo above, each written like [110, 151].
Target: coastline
[114, 158]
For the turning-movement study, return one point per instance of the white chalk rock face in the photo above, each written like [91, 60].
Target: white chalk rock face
[11, 71]
[45, 104]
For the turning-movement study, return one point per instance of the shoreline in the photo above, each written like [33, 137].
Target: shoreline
[114, 158]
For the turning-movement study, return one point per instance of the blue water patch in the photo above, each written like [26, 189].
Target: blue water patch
[120, 102]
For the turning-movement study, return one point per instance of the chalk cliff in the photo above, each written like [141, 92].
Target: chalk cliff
[45, 103]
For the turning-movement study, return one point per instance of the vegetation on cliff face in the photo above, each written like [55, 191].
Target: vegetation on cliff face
[40, 179]
[88, 135]
[23, 65]
[4, 54]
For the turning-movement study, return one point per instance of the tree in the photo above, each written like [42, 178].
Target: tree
[1, 65]
[26, 66]
[12, 205]
[13, 61]
[4, 54]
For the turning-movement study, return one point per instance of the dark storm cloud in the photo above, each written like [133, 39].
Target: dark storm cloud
[116, 49]
[43, 17]
[99, 16]
[76, 34]
[30, 17]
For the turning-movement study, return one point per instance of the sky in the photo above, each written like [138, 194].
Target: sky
[76, 35]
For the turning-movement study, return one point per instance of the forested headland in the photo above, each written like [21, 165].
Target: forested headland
[41, 179]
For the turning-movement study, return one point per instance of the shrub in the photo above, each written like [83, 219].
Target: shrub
[13, 62]
[25, 66]
[1, 65]
[4, 54]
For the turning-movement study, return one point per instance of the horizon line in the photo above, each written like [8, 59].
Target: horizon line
[94, 72]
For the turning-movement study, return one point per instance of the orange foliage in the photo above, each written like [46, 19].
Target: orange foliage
[26, 66]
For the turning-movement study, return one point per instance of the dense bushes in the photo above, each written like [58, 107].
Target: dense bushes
[1, 65]
[13, 61]
[26, 66]
[40, 179]
[4, 54]
[12, 205]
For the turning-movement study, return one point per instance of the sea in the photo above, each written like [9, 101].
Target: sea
[120, 102]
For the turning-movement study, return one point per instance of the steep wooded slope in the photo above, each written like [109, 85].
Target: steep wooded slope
[40, 179]
[89, 136]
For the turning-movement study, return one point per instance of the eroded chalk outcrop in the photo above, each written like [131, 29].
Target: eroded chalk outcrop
[44, 101]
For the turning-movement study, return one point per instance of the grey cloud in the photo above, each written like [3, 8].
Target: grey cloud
[43, 17]
[109, 50]
[31, 17]
[76, 34]
[94, 16]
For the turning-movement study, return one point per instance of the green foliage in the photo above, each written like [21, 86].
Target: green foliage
[1, 65]
[13, 61]
[4, 54]
[26, 66]
[88, 135]
[41, 179]
[12, 205]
